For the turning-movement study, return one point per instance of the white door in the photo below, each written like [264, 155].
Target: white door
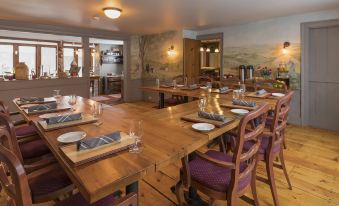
[323, 84]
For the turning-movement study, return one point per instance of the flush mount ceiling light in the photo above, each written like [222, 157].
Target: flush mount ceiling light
[112, 12]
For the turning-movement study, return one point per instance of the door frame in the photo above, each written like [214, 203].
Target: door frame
[216, 36]
[305, 38]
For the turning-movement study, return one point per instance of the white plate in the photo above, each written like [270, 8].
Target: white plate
[203, 87]
[240, 111]
[71, 137]
[203, 127]
[278, 94]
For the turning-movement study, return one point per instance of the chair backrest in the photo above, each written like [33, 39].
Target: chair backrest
[245, 134]
[204, 79]
[230, 82]
[271, 85]
[279, 123]
[10, 142]
[15, 185]
[3, 108]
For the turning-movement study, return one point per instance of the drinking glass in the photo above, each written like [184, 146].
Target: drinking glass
[242, 91]
[97, 112]
[174, 84]
[235, 94]
[202, 103]
[56, 95]
[157, 82]
[136, 131]
[72, 101]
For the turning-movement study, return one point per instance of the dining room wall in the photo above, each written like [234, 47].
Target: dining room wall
[260, 44]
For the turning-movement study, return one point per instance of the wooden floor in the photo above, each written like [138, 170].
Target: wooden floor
[312, 159]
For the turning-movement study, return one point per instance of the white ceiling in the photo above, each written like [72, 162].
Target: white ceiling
[152, 16]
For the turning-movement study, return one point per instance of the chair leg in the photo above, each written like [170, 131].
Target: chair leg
[270, 175]
[254, 187]
[179, 192]
[282, 161]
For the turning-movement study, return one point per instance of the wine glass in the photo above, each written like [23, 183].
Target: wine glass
[242, 91]
[136, 131]
[174, 82]
[72, 101]
[202, 103]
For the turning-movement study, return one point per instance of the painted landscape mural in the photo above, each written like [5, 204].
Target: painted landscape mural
[264, 55]
[149, 58]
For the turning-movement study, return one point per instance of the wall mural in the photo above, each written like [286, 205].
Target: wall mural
[264, 55]
[149, 58]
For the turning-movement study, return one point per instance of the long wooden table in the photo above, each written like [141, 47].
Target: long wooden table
[199, 93]
[166, 138]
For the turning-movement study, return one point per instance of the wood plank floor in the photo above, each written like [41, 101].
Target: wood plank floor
[312, 159]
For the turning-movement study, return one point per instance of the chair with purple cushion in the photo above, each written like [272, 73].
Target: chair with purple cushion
[43, 185]
[23, 129]
[272, 143]
[33, 154]
[221, 176]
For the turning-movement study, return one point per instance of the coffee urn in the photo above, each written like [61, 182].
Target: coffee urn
[242, 73]
[250, 69]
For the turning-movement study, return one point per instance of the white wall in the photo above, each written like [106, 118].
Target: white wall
[110, 68]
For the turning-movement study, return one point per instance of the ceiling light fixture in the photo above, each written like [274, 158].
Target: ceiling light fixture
[208, 50]
[216, 50]
[112, 12]
[202, 49]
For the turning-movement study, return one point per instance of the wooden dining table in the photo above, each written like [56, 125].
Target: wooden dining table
[166, 139]
[196, 93]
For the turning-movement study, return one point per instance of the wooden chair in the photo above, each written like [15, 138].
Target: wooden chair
[204, 79]
[43, 185]
[272, 143]
[4, 109]
[225, 177]
[271, 85]
[231, 82]
[32, 154]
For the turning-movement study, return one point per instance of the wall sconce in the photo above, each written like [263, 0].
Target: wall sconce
[286, 44]
[171, 52]
[202, 49]
[16, 52]
[208, 50]
[216, 50]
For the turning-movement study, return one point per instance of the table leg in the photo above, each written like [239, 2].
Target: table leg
[185, 99]
[134, 187]
[161, 100]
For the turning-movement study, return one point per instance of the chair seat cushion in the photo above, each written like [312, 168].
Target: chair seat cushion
[79, 200]
[33, 149]
[45, 184]
[27, 130]
[263, 146]
[215, 177]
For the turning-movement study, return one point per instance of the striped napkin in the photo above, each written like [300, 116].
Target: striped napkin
[99, 141]
[63, 118]
[260, 92]
[42, 107]
[223, 89]
[217, 117]
[244, 103]
[31, 99]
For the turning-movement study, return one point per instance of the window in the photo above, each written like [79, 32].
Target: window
[6, 58]
[68, 58]
[27, 55]
[48, 60]
[80, 61]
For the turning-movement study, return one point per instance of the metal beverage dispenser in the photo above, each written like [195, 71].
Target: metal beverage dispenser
[250, 69]
[242, 72]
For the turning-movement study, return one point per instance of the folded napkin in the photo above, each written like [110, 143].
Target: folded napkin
[96, 142]
[42, 107]
[63, 118]
[260, 92]
[223, 89]
[31, 99]
[206, 115]
[244, 103]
